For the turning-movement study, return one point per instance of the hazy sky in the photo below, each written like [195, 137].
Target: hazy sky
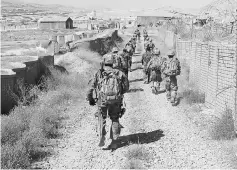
[131, 4]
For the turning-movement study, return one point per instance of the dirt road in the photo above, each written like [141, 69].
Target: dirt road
[155, 135]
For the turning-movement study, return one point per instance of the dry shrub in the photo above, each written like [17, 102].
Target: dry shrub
[193, 96]
[137, 155]
[224, 128]
[27, 129]
[188, 91]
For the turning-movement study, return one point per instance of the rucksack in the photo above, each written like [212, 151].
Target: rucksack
[130, 50]
[173, 66]
[156, 64]
[125, 61]
[117, 61]
[110, 87]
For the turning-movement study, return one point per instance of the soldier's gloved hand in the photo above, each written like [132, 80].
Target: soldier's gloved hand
[92, 102]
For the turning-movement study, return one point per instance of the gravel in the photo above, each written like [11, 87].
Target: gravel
[155, 135]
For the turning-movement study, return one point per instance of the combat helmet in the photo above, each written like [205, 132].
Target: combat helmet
[156, 51]
[108, 60]
[115, 49]
[171, 52]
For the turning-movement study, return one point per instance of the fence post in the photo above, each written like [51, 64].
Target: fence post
[217, 70]
[235, 116]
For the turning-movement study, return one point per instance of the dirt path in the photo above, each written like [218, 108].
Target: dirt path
[156, 135]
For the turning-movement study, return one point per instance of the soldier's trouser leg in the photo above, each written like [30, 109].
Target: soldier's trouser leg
[144, 74]
[126, 72]
[114, 111]
[167, 88]
[174, 89]
[148, 76]
[103, 111]
[130, 65]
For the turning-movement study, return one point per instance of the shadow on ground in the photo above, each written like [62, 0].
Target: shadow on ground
[160, 92]
[136, 80]
[136, 62]
[135, 90]
[140, 138]
[137, 68]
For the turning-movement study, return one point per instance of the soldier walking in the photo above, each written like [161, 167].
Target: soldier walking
[154, 66]
[145, 59]
[126, 61]
[171, 68]
[110, 85]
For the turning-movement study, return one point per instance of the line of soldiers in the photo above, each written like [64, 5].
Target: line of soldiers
[157, 69]
[137, 34]
[109, 84]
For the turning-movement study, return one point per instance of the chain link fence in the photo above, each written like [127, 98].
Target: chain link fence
[213, 70]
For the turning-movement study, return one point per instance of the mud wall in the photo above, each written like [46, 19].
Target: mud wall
[105, 44]
[29, 69]
[21, 70]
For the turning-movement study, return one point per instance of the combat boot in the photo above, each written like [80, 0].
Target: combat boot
[102, 141]
[153, 89]
[168, 95]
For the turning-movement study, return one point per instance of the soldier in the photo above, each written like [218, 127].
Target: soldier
[110, 85]
[146, 42]
[133, 41]
[117, 60]
[126, 61]
[151, 44]
[154, 65]
[135, 36]
[131, 45]
[145, 59]
[138, 34]
[171, 68]
[144, 31]
[145, 35]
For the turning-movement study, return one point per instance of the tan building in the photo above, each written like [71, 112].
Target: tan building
[55, 23]
[154, 17]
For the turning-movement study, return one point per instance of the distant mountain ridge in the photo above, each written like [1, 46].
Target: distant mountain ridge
[13, 4]
[220, 8]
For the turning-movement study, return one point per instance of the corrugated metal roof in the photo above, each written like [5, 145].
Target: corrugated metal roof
[157, 13]
[53, 19]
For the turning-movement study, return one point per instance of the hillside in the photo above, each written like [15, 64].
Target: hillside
[220, 9]
[17, 8]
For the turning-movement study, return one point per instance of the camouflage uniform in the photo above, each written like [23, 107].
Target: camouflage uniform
[145, 35]
[151, 45]
[144, 31]
[154, 65]
[145, 59]
[133, 41]
[131, 45]
[126, 61]
[117, 60]
[138, 34]
[171, 68]
[114, 110]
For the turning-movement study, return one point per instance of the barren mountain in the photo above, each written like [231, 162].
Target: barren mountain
[220, 8]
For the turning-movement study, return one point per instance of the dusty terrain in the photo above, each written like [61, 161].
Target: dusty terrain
[155, 135]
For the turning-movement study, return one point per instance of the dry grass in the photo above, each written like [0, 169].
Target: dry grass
[218, 128]
[188, 91]
[27, 130]
[193, 96]
[24, 52]
[224, 128]
[137, 155]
